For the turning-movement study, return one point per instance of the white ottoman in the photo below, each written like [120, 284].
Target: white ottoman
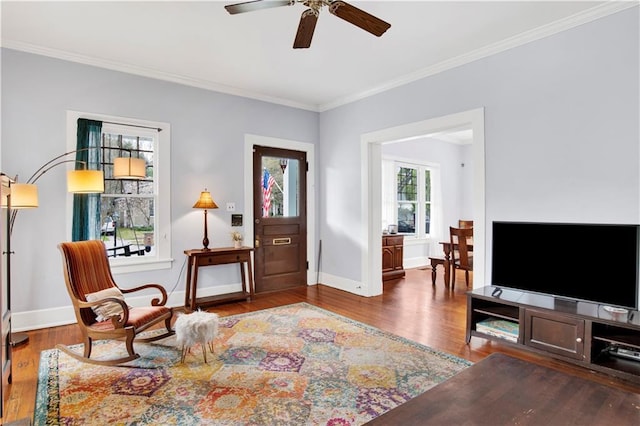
[196, 327]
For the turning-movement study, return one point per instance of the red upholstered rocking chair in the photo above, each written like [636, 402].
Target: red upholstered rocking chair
[99, 305]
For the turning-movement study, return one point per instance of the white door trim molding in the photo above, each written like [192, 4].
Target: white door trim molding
[371, 199]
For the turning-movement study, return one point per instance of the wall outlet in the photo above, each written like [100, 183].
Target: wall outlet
[231, 207]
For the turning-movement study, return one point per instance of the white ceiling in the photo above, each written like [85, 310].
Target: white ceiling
[251, 54]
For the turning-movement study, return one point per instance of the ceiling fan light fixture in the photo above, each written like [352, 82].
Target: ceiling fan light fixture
[309, 18]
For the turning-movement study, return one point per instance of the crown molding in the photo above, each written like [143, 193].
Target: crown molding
[538, 33]
[151, 73]
[547, 30]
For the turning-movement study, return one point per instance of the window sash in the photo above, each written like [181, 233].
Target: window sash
[412, 201]
[158, 176]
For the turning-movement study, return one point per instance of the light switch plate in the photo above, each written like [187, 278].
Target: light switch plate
[231, 207]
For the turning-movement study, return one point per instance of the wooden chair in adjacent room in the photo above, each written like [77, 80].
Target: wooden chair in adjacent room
[99, 303]
[461, 256]
[465, 223]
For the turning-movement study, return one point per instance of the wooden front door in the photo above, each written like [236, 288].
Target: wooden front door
[280, 218]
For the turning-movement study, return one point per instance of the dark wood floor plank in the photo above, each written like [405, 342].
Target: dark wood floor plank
[410, 307]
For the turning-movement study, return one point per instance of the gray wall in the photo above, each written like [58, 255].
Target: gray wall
[561, 143]
[561, 133]
[207, 137]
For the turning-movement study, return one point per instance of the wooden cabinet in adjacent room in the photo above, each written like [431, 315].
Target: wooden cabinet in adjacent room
[392, 248]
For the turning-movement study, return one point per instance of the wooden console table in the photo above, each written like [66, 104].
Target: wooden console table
[501, 390]
[217, 256]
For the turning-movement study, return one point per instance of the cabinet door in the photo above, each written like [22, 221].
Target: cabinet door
[387, 259]
[397, 258]
[555, 333]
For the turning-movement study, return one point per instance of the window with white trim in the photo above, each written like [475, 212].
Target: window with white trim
[408, 199]
[134, 214]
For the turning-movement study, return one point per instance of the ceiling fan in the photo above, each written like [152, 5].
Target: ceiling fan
[341, 9]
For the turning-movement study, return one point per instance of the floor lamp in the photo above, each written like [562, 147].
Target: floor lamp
[80, 181]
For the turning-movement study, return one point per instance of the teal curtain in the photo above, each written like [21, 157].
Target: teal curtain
[86, 207]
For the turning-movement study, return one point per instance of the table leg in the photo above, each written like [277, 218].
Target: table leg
[250, 273]
[187, 291]
[242, 275]
[447, 268]
[447, 272]
[194, 285]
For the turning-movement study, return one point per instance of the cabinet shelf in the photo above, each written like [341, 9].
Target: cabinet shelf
[503, 312]
[625, 340]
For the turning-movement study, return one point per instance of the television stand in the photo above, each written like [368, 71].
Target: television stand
[583, 333]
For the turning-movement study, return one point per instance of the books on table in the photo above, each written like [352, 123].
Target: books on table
[499, 328]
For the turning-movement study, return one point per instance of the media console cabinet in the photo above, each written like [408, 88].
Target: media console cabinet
[589, 334]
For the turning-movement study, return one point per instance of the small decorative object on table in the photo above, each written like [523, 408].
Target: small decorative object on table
[237, 239]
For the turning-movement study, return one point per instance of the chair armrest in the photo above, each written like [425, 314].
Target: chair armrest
[117, 320]
[154, 301]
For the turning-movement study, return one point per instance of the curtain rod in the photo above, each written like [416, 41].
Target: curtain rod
[134, 125]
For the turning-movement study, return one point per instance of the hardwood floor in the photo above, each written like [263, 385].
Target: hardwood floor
[410, 307]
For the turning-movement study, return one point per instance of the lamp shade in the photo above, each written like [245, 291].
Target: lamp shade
[205, 201]
[129, 168]
[85, 181]
[24, 196]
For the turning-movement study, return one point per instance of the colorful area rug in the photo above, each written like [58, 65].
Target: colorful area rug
[292, 365]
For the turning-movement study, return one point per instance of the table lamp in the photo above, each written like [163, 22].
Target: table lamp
[205, 202]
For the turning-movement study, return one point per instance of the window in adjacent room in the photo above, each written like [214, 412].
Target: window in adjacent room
[134, 214]
[410, 203]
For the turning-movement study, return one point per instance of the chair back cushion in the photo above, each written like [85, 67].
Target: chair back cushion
[86, 270]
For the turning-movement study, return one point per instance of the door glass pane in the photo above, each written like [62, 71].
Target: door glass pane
[280, 187]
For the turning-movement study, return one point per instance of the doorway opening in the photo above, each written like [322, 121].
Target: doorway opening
[371, 180]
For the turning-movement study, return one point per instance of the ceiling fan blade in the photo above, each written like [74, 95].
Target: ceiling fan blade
[359, 18]
[305, 29]
[250, 6]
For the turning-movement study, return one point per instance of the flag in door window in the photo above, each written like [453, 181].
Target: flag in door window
[267, 183]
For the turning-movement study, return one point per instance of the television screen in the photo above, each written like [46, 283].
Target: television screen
[593, 262]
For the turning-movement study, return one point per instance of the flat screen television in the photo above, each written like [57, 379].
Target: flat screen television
[577, 261]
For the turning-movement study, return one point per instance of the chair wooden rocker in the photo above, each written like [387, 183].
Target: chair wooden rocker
[88, 277]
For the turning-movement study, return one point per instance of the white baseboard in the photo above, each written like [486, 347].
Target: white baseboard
[54, 317]
[415, 262]
[355, 287]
